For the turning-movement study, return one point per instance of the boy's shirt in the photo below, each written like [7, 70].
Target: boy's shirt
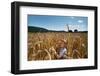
[62, 52]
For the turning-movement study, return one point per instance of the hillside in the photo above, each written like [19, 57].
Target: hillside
[36, 29]
[39, 29]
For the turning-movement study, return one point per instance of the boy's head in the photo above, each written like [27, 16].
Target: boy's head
[62, 43]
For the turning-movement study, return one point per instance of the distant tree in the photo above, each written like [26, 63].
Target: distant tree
[75, 30]
[70, 31]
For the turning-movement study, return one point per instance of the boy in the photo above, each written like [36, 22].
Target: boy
[61, 49]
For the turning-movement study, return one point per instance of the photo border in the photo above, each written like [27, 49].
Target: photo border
[15, 37]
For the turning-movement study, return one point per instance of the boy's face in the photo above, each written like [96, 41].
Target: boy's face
[61, 44]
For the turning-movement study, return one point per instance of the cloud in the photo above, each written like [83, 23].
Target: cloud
[78, 27]
[72, 17]
[80, 21]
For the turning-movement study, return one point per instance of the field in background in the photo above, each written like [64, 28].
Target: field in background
[43, 45]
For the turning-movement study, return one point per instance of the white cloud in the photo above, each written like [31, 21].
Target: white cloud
[80, 21]
[78, 27]
[72, 17]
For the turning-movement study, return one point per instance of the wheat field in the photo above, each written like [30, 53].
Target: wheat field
[44, 45]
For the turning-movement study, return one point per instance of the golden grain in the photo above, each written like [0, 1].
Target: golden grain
[43, 46]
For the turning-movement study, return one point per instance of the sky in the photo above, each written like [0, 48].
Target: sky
[58, 23]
